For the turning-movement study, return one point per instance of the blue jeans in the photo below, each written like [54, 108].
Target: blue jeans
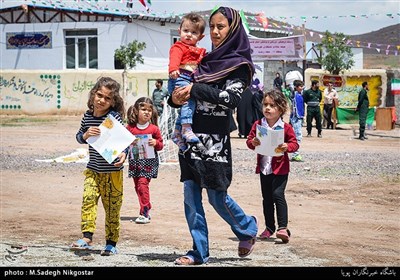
[242, 225]
[185, 115]
[297, 125]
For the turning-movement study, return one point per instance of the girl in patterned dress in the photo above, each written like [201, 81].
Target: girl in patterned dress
[142, 155]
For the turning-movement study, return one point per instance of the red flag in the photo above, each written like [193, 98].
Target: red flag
[143, 2]
[263, 20]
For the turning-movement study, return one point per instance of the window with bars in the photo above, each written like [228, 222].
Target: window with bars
[81, 49]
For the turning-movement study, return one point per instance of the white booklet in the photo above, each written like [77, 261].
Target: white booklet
[114, 138]
[270, 140]
[140, 148]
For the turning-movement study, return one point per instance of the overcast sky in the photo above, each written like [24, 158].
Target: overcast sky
[335, 16]
[351, 17]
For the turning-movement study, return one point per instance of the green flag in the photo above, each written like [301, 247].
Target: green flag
[214, 9]
[244, 22]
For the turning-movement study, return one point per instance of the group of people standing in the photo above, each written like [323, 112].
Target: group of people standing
[312, 98]
[215, 83]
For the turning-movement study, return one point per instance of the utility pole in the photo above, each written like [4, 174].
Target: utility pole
[304, 49]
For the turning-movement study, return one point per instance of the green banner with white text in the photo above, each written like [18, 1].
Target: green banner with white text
[349, 116]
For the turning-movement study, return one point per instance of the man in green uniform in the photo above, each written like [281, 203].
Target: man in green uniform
[362, 108]
[159, 94]
[312, 97]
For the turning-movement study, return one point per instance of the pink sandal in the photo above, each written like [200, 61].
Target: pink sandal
[246, 247]
[283, 234]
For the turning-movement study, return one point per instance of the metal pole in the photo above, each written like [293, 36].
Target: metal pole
[304, 50]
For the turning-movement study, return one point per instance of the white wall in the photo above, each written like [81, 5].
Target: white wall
[32, 58]
[358, 58]
[57, 92]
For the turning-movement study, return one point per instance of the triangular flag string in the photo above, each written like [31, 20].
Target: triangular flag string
[92, 6]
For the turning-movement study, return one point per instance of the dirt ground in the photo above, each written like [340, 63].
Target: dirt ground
[342, 220]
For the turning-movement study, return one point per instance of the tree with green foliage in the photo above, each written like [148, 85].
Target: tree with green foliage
[130, 55]
[336, 54]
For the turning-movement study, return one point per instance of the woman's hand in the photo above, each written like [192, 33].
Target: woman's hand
[181, 94]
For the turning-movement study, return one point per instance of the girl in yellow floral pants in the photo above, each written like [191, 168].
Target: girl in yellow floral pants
[108, 187]
[102, 179]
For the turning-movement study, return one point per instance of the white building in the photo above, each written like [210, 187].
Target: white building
[44, 37]
[67, 35]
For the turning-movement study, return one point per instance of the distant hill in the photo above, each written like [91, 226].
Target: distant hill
[379, 39]
[389, 35]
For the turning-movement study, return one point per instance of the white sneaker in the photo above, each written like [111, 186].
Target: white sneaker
[142, 220]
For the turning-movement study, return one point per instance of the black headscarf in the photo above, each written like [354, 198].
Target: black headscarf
[233, 52]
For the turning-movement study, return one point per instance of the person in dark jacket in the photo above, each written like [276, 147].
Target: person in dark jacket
[250, 108]
[312, 97]
[362, 108]
[244, 113]
[257, 101]
[219, 82]
[278, 82]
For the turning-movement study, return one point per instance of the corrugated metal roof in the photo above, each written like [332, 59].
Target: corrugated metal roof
[112, 9]
[118, 9]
